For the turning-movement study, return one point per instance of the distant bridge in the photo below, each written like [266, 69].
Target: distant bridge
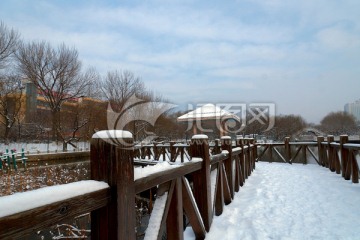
[315, 131]
[312, 130]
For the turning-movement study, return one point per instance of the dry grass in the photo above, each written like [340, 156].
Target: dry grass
[38, 177]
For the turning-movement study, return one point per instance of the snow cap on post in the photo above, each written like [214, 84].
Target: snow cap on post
[226, 140]
[225, 137]
[115, 137]
[200, 136]
[114, 134]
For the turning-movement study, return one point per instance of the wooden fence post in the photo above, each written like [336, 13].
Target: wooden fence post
[163, 151]
[354, 168]
[239, 143]
[155, 149]
[253, 152]
[331, 150]
[111, 161]
[216, 149]
[199, 147]
[174, 221]
[182, 152]
[321, 151]
[172, 151]
[148, 152]
[142, 148]
[245, 155]
[303, 149]
[270, 153]
[228, 163]
[287, 149]
[344, 153]
[246, 158]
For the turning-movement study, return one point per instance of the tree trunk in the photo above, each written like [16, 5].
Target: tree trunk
[64, 146]
[55, 124]
[6, 134]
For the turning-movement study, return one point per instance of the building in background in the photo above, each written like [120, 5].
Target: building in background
[34, 120]
[353, 109]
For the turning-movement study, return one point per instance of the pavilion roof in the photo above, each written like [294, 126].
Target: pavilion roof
[207, 112]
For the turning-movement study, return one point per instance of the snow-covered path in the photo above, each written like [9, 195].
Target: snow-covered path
[283, 201]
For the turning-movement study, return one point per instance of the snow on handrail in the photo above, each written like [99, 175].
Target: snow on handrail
[352, 146]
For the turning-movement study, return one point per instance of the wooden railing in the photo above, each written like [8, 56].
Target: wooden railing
[200, 187]
[339, 157]
[174, 151]
[21, 224]
[160, 151]
[195, 188]
[188, 188]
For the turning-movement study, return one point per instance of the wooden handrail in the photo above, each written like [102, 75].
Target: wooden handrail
[158, 178]
[21, 224]
[352, 146]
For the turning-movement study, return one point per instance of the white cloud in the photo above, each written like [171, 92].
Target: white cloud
[337, 38]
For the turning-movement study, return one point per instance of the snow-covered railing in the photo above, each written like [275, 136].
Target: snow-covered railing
[112, 162]
[286, 155]
[197, 187]
[339, 157]
[24, 213]
[166, 152]
[172, 151]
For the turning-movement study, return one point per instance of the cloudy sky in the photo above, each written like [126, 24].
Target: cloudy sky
[304, 56]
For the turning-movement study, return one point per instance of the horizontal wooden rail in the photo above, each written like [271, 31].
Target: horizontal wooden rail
[272, 144]
[335, 145]
[158, 178]
[303, 143]
[352, 146]
[21, 224]
[217, 158]
[236, 151]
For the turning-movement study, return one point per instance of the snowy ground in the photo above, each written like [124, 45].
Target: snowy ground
[283, 201]
[32, 148]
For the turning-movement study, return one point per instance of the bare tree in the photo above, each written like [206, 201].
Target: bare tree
[118, 87]
[286, 126]
[72, 121]
[56, 73]
[9, 39]
[95, 112]
[136, 108]
[338, 123]
[11, 99]
[10, 84]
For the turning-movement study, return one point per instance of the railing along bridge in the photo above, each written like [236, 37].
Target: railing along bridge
[199, 181]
